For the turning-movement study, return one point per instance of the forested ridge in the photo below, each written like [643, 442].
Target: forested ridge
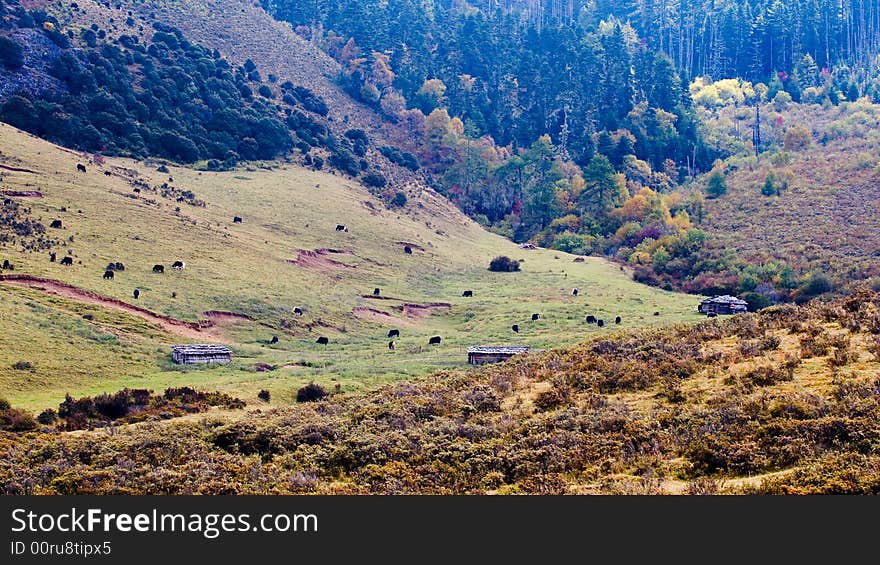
[573, 124]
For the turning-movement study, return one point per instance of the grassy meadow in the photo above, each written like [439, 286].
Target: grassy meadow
[257, 269]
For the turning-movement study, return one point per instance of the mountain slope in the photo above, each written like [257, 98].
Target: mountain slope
[285, 254]
[240, 31]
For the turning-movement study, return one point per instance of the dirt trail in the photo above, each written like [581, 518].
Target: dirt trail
[192, 330]
[378, 316]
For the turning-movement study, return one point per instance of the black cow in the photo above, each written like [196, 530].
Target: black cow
[7, 265]
[375, 292]
[236, 219]
[108, 173]
[617, 320]
[340, 227]
[158, 268]
[274, 339]
[52, 257]
[55, 224]
[434, 340]
[600, 323]
[298, 311]
[119, 266]
[137, 293]
[407, 250]
[67, 261]
[656, 313]
[591, 319]
[574, 292]
[88, 317]
[323, 340]
[711, 315]
[391, 345]
[178, 265]
[515, 327]
[80, 167]
[137, 190]
[108, 275]
[393, 333]
[467, 293]
[535, 317]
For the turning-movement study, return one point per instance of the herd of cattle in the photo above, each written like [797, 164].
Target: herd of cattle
[322, 340]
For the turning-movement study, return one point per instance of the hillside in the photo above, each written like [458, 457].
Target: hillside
[810, 204]
[784, 402]
[242, 31]
[285, 254]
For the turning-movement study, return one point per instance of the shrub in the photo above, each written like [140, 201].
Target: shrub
[264, 395]
[717, 185]
[10, 54]
[15, 420]
[22, 366]
[265, 91]
[374, 180]
[398, 200]
[311, 393]
[797, 138]
[503, 264]
[47, 417]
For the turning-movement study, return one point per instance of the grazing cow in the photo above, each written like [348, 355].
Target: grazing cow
[574, 292]
[178, 265]
[80, 167]
[108, 275]
[88, 317]
[375, 292]
[617, 320]
[236, 219]
[434, 340]
[108, 174]
[323, 340]
[578, 259]
[393, 333]
[274, 339]
[407, 250]
[67, 261]
[137, 293]
[391, 345]
[535, 317]
[55, 224]
[340, 227]
[52, 257]
[656, 313]
[600, 322]
[298, 311]
[137, 190]
[515, 328]
[591, 319]
[158, 268]
[712, 315]
[119, 266]
[467, 293]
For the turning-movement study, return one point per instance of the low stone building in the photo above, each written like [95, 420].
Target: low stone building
[483, 355]
[192, 354]
[724, 304]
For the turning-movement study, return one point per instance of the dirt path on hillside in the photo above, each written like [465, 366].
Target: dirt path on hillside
[192, 330]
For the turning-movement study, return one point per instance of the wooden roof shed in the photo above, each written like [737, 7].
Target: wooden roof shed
[482, 355]
[724, 304]
[191, 354]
